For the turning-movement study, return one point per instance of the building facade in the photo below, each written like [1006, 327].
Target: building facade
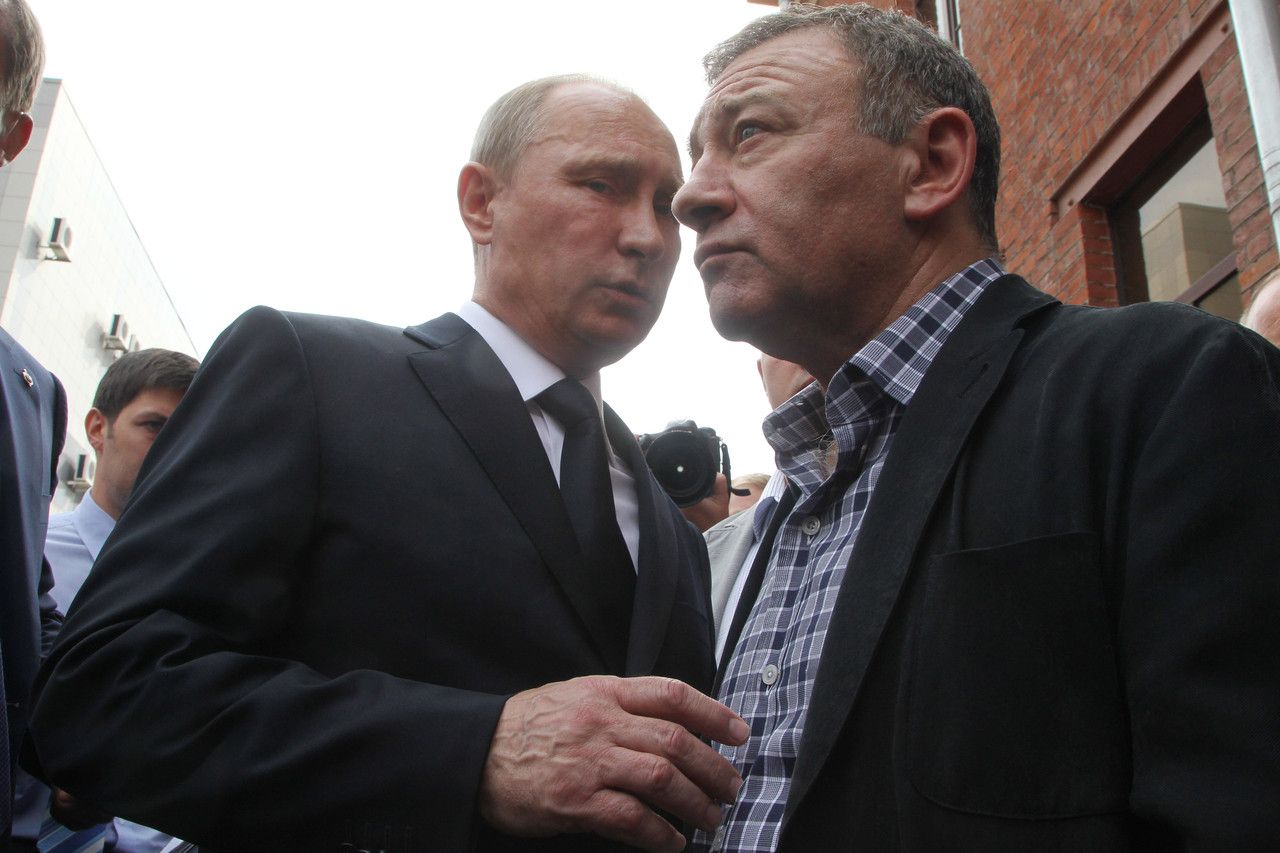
[76, 284]
[1131, 163]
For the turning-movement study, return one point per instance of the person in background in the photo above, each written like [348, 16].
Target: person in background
[1022, 593]
[133, 401]
[1263, 313]
[733, 545]
[752, 484]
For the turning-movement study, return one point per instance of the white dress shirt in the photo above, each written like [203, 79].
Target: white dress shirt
[71, 545]
[534, 373]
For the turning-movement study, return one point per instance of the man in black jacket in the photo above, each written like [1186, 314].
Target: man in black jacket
[347, 603]
[1023, 593]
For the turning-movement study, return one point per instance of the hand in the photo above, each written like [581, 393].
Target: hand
[712, 509]
[599, 754]
[73, 813]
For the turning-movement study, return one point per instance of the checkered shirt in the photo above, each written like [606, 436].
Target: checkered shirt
[770, 677]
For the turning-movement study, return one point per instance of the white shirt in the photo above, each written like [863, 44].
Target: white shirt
[769, 498]
[533, 373]
[71, 545]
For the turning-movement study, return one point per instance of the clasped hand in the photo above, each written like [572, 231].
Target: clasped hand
[600, 754]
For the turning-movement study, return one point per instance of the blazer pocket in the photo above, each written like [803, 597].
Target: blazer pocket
[1015, 704]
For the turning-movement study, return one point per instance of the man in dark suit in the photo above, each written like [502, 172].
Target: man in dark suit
[347, 604]
[34, 411]
[1030, 604]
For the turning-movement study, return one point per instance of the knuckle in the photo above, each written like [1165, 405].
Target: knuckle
[672, 692]
[673, 739]
[659, 774]
[626, 815]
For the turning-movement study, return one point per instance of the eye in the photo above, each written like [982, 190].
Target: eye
[745, 131]
[663, 209]
[597, 186]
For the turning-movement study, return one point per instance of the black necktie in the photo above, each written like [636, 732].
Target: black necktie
[586, 487]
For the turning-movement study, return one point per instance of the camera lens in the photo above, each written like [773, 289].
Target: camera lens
[683, 465]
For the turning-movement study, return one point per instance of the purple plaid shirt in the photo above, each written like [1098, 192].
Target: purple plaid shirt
[770, 675]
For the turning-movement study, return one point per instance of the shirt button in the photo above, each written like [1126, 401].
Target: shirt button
[769, 675]
[811, 525]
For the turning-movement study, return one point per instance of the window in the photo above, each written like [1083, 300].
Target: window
[1170, 231]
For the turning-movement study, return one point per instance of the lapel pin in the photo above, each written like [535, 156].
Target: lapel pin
[26, 377]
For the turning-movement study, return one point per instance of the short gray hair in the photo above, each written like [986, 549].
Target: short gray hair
[516, 118]
[907, 72]
[22, 54]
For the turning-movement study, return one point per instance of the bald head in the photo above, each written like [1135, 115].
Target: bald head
[1263, 315]
[518, 117]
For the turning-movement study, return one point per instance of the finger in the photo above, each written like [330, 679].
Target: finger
[668, 699]
[659, 783]
[621, 817]
[709, 771]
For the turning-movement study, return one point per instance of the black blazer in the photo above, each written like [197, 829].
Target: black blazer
[1060, 627]
[34, 411]
[346, 549]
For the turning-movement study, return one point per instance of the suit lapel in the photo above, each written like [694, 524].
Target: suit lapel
[929, 439]
[658, 558]
[475, 392]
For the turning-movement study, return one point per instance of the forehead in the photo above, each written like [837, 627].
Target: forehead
[592, 122]
[808, 65]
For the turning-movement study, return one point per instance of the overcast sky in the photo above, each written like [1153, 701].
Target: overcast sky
[304, 155]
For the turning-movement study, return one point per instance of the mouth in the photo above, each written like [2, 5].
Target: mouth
[629, 292]
[711, 251]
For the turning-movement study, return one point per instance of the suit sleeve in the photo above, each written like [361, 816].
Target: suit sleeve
[166, 700]
[1199, 622]
[50, 616]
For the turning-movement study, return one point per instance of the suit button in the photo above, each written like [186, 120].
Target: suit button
[769, 675]
[811, 525]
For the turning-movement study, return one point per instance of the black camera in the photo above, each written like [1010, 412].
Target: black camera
[685, 459]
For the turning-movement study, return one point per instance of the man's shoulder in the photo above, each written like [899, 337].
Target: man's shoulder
[326, 336]
[1131, 335]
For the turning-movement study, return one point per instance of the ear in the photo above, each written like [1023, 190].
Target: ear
[945, 146]
[477, 189]
[15, 138]
[95, 427]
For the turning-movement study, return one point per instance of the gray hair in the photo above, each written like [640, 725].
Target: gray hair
[907, 72]
[22, 53]
[516, 118]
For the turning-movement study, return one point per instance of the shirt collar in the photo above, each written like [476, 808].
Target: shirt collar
[531, 371]
[891, 365]
[92, 524]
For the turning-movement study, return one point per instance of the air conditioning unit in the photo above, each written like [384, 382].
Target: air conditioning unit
[117, 336]
[59, 246]
[82, 480]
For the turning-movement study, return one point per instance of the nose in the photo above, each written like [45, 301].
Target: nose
[642, 234]
[705, 198]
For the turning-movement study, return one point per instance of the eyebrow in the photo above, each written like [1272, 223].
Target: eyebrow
[725, 106]
[617, 165]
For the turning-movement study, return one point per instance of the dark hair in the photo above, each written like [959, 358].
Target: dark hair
[907, 71]
[135, 372]
[22, 54]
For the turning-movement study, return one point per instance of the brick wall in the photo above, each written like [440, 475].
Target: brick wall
[1061, 75]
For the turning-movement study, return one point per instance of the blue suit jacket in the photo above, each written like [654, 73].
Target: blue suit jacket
[34, 409]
